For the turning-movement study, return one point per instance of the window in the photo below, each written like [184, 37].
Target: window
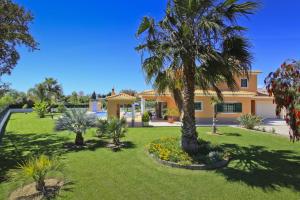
[244, 83]
[198, 106]
[229, 108]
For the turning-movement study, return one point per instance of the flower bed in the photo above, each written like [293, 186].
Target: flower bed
[168, 151]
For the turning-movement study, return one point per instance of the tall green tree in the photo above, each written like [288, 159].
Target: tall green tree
[201, 42]
[14, 31]
[49, 91]
[284, 85]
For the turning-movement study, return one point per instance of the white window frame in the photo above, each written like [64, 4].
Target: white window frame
[201, 106]
[247, 82]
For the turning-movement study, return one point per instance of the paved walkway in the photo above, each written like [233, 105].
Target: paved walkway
[278, 125]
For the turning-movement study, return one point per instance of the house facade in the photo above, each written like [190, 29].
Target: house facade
[247, 99]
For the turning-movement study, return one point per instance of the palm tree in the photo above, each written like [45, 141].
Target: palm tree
[76, 121]
[202, 43]
[214, 102]
[38, 93]
[53, 88]
[48, 91]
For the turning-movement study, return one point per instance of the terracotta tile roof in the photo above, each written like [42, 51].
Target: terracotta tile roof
[201, 93]
[121, 96]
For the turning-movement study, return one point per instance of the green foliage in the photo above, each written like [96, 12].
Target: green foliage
[252, 152]
[168, 149]
[129, 92]
[113, 128]
[197, 44]
[6, 100]
[14, 29]
[173, 112]
[284, 85]
[41, 108]
[61, 108]
[38, 168]
[76, 121]
[146, 117]
[250, 121]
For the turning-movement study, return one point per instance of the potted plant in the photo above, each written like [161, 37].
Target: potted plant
[172, 113]
[146, 119]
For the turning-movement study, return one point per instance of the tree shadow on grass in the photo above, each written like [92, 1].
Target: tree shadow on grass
[258, 167]
[90, 145]
[16, 147]
[232, 134]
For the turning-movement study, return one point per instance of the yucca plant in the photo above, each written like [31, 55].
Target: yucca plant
[38, 168]
[76, 121]
[114, 128]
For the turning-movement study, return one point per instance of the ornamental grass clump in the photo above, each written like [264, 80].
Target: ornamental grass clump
[38, 168]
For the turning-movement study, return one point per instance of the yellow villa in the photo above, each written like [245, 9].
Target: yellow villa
[247, 99]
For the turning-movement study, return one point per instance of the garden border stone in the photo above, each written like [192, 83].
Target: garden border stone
[217, 165]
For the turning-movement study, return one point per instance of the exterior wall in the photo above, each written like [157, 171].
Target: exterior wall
[112, 109]
[252, 84]
[208, 110]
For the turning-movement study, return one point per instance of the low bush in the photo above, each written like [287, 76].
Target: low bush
[113, 128]
[146, 117]
[61, 108]
[250, 121]
[41, 108]
[169, 149]
[38, 168]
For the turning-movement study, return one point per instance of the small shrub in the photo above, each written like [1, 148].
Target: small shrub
[38, 168]
[146, 117]
[25, 106]
[273, 130]
[76, 121]
[173, 112]
[250, 121]
[263, 129]
[102, 126]
[61, 108]
[214, 156]
[41, 108]
[113, 128]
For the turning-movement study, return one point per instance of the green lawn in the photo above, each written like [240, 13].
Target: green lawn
[265, 166]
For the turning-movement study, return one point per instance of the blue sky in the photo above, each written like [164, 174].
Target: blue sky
[89, 45]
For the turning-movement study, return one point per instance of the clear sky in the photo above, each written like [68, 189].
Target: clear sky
[89, 45]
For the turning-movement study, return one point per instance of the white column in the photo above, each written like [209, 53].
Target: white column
[133, 114]
[142, 106]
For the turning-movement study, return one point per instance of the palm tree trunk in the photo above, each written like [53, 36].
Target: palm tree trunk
[79, 139]
[214, 131]
[189, 140]
[40, 185]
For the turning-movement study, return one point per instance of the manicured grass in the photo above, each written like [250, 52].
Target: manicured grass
[265, 166]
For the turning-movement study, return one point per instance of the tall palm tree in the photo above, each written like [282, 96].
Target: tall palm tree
[49, 90]
[202, 43]
[53, 89]
[38, 93]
